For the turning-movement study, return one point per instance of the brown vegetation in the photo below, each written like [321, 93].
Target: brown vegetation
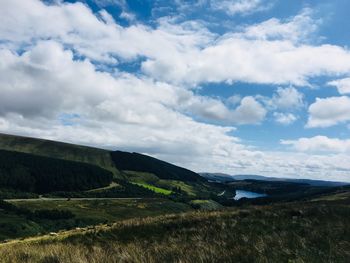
[294, 232]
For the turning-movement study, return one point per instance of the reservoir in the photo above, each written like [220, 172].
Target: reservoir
[247, 194]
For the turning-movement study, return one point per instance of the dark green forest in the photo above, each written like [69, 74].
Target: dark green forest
[142, 163]
[37, 174]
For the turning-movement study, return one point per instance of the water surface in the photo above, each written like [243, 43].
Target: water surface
[247, 194]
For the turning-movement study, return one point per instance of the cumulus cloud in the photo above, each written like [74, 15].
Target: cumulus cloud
[249, 110]
[319, 144]
[90, 35]
[116, 111]
[285, 99]
[54, 85]
[284, 103]
[343, 85]
[296, 29]
[329, 111]
[252, 61]
[284, 118]
[178, 53]
[233, 7]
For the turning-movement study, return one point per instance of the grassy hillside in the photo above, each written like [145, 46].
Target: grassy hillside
[24, 221]
[24, 182]
[58, 150]
[113, 161]
[191, 189]
[313, 231]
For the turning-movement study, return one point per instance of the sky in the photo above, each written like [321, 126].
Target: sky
[231, 86]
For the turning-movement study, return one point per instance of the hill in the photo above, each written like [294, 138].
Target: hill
[143, 163]
[57, 150]
[110, 160]
[38, 174]
[135, 175]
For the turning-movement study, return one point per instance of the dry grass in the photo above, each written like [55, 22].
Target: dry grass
[299, 232]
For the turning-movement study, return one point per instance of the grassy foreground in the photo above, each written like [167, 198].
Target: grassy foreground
[86, 212]
[314, 231]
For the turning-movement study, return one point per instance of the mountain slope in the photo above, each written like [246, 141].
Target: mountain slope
[143, 163]
[169, 178]
[57, 150]
[37, 174]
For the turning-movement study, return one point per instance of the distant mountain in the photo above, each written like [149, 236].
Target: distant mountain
[221, 177]
[218, 177]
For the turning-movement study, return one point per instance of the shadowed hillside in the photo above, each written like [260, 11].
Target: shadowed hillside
[38, 174]
[143, 163]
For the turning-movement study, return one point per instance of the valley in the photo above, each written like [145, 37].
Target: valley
[59, 206]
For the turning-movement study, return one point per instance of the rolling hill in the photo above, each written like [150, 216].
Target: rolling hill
[131, 171]
[58, 150]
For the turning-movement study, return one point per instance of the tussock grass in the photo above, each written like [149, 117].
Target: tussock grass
[295, 232]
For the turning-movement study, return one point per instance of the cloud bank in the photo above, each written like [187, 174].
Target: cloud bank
[63, 77]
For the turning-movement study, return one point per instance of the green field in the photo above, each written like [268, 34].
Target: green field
[155, 189]
[191, 189]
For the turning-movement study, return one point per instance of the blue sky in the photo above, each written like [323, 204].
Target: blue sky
[233, 86]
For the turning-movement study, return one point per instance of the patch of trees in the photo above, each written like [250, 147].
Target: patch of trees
[37, 174]
[143, 163]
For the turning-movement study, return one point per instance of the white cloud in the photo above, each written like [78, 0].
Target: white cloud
[329, 111]
[252, 61]
[343, 85]
[128, 16]
[319, 144]
[296, 29]
[285, 99]
[234, 99]
[76, 26]
[249, 111]
[119, 111]
[184, 53]
[233, 7]
[284, 118]
[127, 112]
[40, 81]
